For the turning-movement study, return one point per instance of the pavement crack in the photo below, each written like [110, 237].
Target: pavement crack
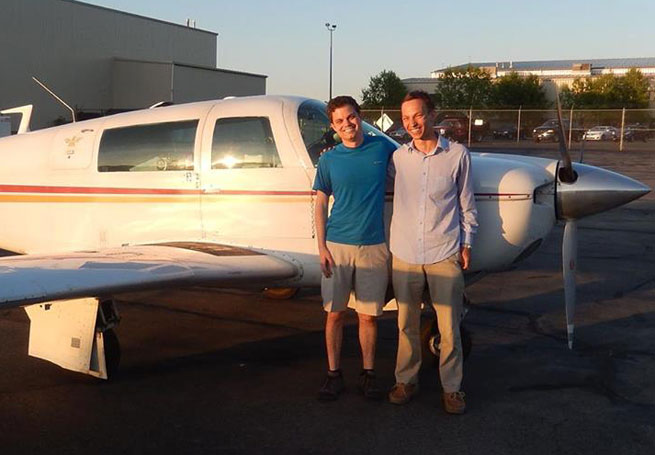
[622, 292]
[533, 321]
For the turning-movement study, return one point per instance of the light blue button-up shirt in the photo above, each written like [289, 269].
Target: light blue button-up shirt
[434, 203]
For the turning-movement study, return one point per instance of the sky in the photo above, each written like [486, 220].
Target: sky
[288, 41]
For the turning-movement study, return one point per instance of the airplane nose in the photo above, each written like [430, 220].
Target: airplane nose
[595, 190]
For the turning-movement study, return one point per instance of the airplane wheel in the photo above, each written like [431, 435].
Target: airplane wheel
[280, 293]
[430, 340]
[112, 352]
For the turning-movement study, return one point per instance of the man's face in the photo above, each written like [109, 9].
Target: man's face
[417, 120]
[347, 124]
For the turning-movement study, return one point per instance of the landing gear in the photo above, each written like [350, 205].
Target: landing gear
[112, 352]
[280, 293]
[430, 337]
[108, 318]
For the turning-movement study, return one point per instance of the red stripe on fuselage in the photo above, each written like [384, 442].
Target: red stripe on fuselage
[106, 190]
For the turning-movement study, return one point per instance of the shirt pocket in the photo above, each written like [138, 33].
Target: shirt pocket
[439, 187]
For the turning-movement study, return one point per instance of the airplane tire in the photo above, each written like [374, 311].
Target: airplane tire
[280, 293]
[112, 353]
[430, 341]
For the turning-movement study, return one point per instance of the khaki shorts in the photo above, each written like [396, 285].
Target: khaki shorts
[359, 278]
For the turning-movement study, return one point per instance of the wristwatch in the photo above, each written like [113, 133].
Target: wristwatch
[466, 245]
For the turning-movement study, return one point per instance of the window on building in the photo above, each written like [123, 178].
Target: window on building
[154, 147]
[244, 142]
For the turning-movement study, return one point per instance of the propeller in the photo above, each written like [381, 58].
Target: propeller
[569, 264]
[580, 191]
[567, 176]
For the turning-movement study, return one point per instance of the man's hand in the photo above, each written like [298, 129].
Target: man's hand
[326, 262]
[465, 257]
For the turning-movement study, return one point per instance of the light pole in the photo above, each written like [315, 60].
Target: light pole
[330, 28]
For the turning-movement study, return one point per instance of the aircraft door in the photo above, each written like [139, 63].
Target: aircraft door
[255, 190]
[150, 172]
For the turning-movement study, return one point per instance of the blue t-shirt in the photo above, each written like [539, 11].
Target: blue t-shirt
[356, 177]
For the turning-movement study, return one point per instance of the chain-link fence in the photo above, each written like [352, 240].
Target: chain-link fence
[598, 129]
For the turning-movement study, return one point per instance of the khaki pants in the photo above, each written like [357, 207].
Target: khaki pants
[446, 284]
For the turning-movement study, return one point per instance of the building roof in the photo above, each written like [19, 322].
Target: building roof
[418, 80]
[535, 65]
[111, 10]
[189, 65]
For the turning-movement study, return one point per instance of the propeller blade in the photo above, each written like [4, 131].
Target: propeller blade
[569, 264]
[566, 169]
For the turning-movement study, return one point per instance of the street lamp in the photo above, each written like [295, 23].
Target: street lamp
[330, 28]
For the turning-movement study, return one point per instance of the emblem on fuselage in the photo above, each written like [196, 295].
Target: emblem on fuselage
[71, 143]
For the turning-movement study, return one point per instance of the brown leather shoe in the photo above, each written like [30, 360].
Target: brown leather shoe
[453, 403]
[402, 393]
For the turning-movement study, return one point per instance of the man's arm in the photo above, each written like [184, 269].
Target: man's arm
[320, 216]
[467, 210]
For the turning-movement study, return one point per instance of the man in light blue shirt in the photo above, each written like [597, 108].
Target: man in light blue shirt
[351, 242]
[432, 229]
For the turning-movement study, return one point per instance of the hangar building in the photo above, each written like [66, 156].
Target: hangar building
[101, 61]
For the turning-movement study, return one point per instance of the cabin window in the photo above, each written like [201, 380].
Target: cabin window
[244, 142]
[154, 147]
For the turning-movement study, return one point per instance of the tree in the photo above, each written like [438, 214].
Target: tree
[464, 87]
[608, 91]
[512, 91]
[384, 90]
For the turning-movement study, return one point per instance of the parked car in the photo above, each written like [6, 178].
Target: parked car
[400, 134]
[602, 133]
[505, 132]
[547, 131]
[637, 132]
[457, 128]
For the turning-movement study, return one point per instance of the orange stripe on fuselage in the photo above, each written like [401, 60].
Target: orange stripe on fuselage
[70, 194]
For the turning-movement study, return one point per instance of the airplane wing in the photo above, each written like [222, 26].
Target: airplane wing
[30, 279]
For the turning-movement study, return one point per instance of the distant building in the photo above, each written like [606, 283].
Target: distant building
[552, 73]
[101, 60]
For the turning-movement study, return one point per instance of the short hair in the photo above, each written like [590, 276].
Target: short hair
[341, 101]
[420, 95]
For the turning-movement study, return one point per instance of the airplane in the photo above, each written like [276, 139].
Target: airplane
[219, 193]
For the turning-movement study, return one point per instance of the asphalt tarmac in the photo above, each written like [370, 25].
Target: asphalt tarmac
[230, 372]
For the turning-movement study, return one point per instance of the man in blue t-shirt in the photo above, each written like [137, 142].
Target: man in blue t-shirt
[351, 242]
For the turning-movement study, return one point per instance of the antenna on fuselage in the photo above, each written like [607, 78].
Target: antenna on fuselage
[55, 96]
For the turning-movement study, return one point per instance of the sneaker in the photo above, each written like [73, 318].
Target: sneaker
[368, 385]
[332, 387]
[402, 393]
[453, 403]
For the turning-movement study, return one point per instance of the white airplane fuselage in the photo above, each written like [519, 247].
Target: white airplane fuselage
[56, 196]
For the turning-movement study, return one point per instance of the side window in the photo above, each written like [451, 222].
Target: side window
[315, 129]
[244, 142]
[155, 147]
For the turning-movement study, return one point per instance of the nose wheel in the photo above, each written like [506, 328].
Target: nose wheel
[431, 339]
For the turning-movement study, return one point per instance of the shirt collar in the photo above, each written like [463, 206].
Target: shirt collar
[442, 144]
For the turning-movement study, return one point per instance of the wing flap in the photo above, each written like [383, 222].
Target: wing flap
[30, 279]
